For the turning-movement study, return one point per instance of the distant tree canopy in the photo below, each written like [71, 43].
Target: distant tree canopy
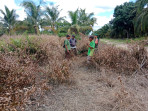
[46, 20]
[130, 20]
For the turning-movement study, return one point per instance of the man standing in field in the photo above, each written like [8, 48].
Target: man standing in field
[91, 48]
[73, 42]
[96, 42]
[67, 47]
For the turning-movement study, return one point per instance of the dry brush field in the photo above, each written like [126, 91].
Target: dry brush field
[35, 76]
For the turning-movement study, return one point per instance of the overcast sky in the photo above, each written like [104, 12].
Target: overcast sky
[103, 9]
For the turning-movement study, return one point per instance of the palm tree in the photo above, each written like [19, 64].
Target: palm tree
[53, 17]
[140, 22]
[74, 17]
[34, 13]
[81, 21]
[9, 18]
[86, 19]
[74, 28]
[141, 4]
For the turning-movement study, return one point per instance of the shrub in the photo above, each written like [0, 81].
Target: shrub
[25, 64]
[62, 34]
[121, 59]
[82, 45]
[16, 81]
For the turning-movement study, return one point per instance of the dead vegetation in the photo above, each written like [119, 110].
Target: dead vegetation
[28, 64]
[31, 64]
[82, 46]
[124, 99]
[122, 60]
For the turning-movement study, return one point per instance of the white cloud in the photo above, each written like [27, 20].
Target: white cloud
[102, 20]
[11, 5]
[96, 6]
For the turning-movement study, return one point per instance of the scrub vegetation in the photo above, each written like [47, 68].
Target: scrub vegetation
[35, 76]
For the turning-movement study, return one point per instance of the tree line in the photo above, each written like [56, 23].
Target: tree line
[47, 19]
[130, 20]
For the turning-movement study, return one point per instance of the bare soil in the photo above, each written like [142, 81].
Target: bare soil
[94, 89]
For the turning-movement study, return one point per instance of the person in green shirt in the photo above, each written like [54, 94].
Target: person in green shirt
[91, 48]
[67, 47]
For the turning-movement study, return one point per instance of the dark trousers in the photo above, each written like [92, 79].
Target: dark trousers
[68, 54]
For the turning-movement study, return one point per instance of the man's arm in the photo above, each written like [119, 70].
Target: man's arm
[90, 46]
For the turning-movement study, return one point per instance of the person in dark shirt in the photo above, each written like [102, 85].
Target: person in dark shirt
[73, 43]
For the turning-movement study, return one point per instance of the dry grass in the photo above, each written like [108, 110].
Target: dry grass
[124, 99]
[123, 92]
[28, 64]
[122, 60]
[31, 64]
[82, 45]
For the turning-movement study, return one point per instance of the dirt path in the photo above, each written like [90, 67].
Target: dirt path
[83, 95]
[91, 91]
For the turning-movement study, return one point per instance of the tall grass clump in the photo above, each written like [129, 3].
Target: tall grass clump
[82, 45]
[27, 64]
[123, 60]
[16, 81]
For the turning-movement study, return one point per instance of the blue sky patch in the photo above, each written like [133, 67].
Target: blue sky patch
[18, 2]
[107, 13]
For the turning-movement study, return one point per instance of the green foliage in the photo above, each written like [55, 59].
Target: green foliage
[140, 22]
[123, 22]
[74, 29]
[2, 46]
[53, 15]
[86, 29]
[104, 31]
[86, 19]
[2, 29]
[16, 42]
[9, 18]
[49, 19]
[27, 44]
[34, 14]
[24, 27]
[74, 17]
[62, 34]
[130, 21]
[53, 18]
[81, 21]
[47, 32]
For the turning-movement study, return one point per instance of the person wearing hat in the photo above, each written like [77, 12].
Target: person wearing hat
[73, 43]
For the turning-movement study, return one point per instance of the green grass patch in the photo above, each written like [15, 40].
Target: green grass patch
[116, 41]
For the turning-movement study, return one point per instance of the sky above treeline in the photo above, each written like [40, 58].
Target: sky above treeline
[103, 9]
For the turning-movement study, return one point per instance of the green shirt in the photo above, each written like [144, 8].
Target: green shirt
[67, 43]
[91, 51]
